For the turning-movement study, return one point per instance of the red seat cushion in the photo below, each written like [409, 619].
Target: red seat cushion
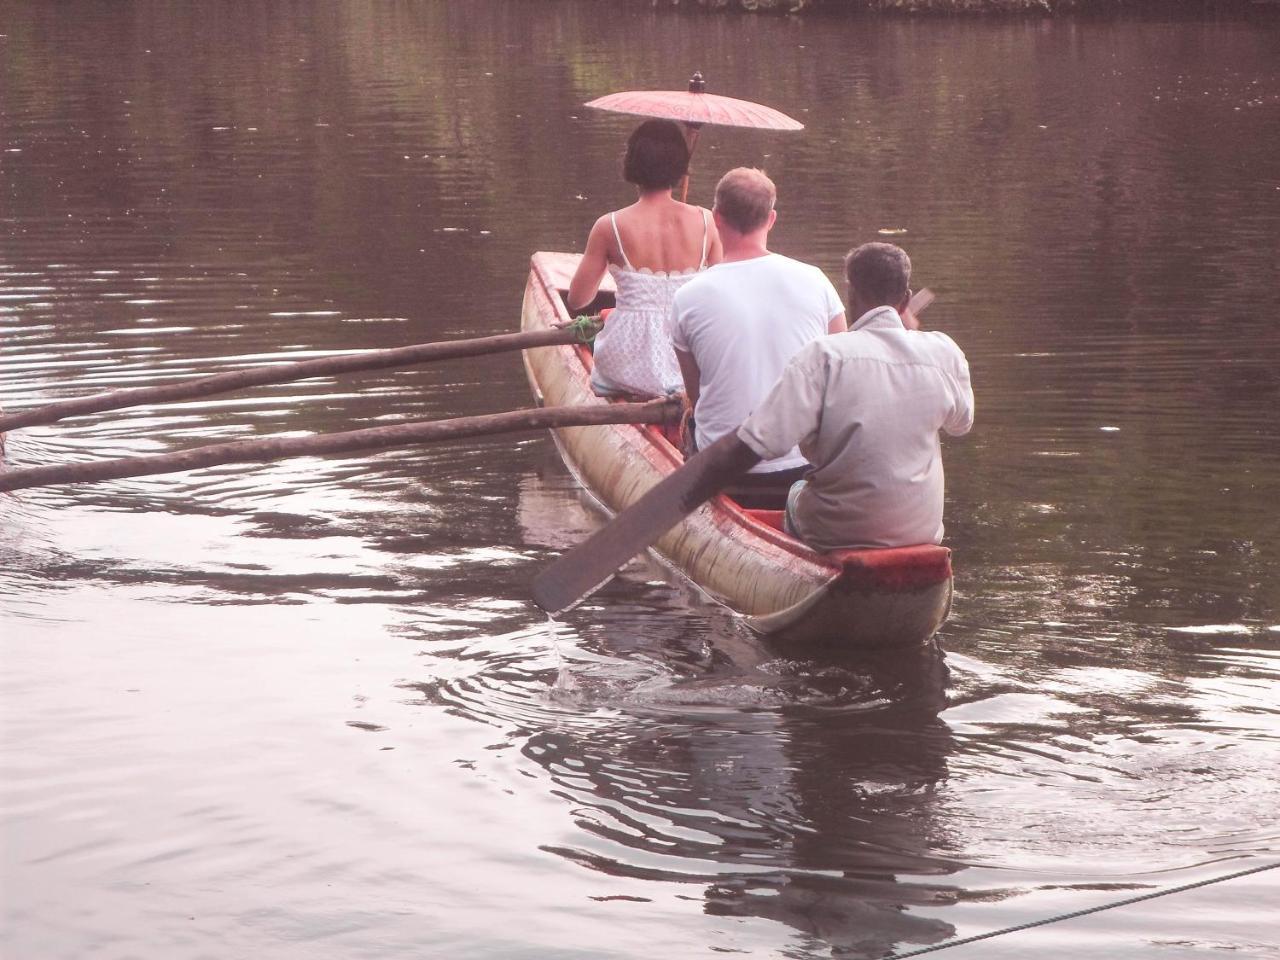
[892, 568]
[898, 568]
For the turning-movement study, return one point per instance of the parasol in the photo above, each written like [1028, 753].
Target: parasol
[694, 108]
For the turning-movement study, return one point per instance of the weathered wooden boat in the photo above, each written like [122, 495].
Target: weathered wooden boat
[847, 599]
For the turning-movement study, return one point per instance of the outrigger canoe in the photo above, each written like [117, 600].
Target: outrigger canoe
[847, 599]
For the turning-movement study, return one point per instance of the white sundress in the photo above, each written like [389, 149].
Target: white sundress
[633, 352]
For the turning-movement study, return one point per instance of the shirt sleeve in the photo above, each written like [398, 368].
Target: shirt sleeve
[960, 420]
[791, 411]
[674, 330]
[835, 306]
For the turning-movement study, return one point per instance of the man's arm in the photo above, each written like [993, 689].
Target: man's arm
[837, 324]
[960, 420]
[691, 374]
[792, 410]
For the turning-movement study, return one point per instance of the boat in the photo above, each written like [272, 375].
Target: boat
[781, 588]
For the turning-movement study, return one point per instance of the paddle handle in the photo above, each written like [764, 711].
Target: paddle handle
[916, 306]
[920, 300]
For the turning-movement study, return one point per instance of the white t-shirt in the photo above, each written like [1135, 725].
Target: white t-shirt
[742, 321]
[866, 407]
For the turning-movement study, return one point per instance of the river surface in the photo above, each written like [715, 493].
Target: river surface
[307, 709]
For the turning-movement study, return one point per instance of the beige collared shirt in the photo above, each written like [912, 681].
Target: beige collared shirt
[865, 408]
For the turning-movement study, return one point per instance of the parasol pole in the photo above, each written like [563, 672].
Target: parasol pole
[691, 130]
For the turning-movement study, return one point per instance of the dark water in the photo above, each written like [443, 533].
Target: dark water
[306, 710]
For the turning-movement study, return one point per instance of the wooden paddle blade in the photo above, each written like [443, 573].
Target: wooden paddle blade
[591, 564]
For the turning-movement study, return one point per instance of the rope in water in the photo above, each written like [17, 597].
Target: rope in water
[1082, 913]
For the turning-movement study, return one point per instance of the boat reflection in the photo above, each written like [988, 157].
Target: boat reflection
[864, 790]
[551, 508]
[792, 792]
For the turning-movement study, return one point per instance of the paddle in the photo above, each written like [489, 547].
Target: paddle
[591, 564]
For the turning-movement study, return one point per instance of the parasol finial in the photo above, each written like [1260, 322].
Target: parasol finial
[696, 83]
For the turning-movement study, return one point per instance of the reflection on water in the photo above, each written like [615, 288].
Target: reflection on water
[305, 707]
[768, 788]
[806, 813]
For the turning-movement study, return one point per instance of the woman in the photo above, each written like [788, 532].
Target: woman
[651, 248]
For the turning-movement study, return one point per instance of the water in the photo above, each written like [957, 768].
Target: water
[306, 709]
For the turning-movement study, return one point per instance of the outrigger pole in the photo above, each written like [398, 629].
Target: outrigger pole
[577, 332]
[665, 411]
[348, 441]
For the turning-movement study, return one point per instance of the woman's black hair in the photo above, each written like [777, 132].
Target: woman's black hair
[657, 155]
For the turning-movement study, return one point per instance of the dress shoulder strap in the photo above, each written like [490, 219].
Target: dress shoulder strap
[706, 232]
[613, 219]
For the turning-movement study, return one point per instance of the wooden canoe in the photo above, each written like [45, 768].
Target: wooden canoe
[847, 599]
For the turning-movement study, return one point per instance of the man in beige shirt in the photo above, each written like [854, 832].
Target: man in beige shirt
[865, 408]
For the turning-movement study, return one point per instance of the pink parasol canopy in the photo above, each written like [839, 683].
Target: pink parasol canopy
[695, 107]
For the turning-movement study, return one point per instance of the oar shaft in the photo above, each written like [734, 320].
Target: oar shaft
[350, 441]
[293, 370]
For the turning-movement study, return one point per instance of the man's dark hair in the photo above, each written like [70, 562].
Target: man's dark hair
[656, 156]
[879, 272]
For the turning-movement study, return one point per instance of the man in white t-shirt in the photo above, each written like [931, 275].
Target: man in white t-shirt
[866, 408]
[735, 326]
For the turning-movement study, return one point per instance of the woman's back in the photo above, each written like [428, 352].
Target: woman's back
[651, 258]
[671, 237]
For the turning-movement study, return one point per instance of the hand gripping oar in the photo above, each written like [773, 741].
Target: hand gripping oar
[591, 564]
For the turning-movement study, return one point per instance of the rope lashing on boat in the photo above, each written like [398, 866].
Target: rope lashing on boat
[585, 327]
[1082, 913]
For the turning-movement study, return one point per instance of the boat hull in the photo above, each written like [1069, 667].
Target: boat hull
[783, 589]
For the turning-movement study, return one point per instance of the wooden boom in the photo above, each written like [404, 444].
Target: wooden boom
[295, 370]
[349, 441]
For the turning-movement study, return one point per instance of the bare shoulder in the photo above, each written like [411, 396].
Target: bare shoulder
[601, 236]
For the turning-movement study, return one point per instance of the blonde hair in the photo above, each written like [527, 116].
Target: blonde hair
[744, 197]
